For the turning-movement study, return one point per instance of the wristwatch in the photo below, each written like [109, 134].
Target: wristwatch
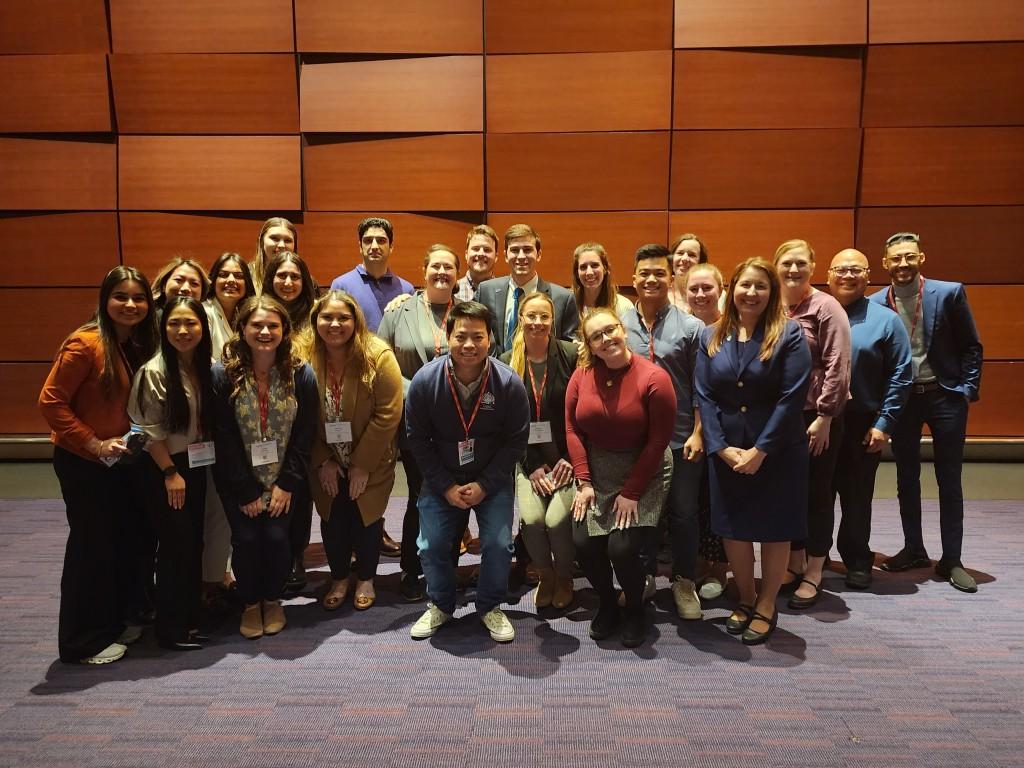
[170, 471]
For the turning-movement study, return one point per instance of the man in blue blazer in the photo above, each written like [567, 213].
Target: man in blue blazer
[947, 355]
[502, 295]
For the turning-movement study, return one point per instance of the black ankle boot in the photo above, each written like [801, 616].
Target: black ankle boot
[634, 628]
[605, 620]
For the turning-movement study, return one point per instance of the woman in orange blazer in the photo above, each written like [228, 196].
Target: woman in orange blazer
[84, 400]
[354, 451]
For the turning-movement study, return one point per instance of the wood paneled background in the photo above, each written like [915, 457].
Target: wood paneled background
[139, 129]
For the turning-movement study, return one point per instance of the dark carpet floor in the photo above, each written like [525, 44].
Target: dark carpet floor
[911, 673]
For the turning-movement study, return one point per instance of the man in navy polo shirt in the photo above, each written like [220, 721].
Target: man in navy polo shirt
[372, 283]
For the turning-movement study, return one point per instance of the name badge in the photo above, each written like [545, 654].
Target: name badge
[264, 452]
[201, 455]
[540, 432]
[338, 431]
[466, 452]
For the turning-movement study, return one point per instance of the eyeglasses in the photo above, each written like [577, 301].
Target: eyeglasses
[851, 271]
[609, 331]
[537, 317]
[910, 258]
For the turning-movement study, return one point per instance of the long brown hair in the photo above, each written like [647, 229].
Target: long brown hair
[518, 360]
[363, 344]
[259, 262]
[774, 318]
[607, 293]
[237, 355]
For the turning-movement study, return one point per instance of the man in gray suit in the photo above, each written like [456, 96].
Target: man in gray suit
[502, 295]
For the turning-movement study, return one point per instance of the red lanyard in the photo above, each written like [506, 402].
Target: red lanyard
[891, 297]
[438, 332]
[650, 335]
[533, 385]
[479, 398]
[264, 399]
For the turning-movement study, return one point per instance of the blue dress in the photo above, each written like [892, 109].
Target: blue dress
[745, 402]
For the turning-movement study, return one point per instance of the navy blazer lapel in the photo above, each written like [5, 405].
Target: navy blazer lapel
[929, 313]
[746, 353]
[500, 300]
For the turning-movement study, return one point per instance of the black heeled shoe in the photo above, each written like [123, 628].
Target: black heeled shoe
[752, 637]
[734, 625]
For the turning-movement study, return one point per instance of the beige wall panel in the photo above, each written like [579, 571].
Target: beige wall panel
[579, 92]
[442, 93]
[749, 23]
[198, 173]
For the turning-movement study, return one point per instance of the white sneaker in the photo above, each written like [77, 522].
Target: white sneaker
[684, 592]
[650, 588]
[499, 626]
[427, 624]
[711, 589]
[112, 652]
[132, 632]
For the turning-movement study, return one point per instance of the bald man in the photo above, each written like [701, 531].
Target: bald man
[880, 381]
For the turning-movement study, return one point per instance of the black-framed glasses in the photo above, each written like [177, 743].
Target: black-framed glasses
[852, 271]
[597, 336]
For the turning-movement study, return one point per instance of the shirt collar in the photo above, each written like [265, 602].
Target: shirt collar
[361, 270]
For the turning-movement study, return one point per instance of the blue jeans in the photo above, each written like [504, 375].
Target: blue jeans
[945, 413]
[683, 504]
[441, 525]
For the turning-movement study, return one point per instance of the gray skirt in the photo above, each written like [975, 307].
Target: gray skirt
[608, 473]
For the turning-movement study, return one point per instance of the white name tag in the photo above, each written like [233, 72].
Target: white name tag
[466, 452]
[264, 452]
[338, 431]
[201, 455]
[540, 432]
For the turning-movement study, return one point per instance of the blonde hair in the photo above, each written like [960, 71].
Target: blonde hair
[710, 269]
[792, 245]
[363, 343]
[774, 318]
[518, 360]
[586, 356]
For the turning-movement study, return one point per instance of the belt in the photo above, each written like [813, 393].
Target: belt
[920, 389]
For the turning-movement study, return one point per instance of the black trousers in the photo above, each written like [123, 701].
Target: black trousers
[821, 518]
[855, 486]
[597, 555]
[179, 559]
[344, 533]
[300, 522]
[261, 554]
[100, 503]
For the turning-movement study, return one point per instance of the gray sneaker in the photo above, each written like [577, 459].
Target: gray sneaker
[431, 621]
[112, 652]
[684, 592]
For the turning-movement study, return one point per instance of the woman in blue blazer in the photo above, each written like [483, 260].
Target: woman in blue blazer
[753, 371]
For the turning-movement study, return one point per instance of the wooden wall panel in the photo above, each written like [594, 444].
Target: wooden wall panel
[389, 26]
[998, 412]
[57, 174]
[732, 236]
[572, 26]
[330, 245]
[750, 23]
[621, 233]
[201, 26]
[795, 88]
[579, 92]
[765, 169]
[150, 240]
[205, 93]
[20, 383]
[940, 21]
[577, 171]
[416, 173]
[934, 85]
[442, 93]
[33, 336]
[61, 249]
[942, 166]
[996, 310]
[55, 94]
[965, 244]
[53, 26]
[195, 173]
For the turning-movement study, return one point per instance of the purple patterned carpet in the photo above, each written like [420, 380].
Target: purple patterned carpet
[911, 673]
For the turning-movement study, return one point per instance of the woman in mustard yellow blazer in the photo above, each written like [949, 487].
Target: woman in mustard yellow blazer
[353, 453]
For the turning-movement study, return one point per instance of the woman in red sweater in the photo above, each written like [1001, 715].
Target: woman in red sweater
[84, 400]
[620, 410]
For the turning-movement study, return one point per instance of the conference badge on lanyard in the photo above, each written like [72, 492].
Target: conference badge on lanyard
[466, 453]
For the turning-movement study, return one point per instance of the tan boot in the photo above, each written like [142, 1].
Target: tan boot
[273, 617]
[545, 588]
[563, 596]
[252, 622]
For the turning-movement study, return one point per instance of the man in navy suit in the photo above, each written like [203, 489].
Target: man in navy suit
[502, 295]
[947, 355]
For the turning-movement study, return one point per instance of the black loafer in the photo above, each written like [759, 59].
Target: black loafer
[956, 575]
[412, 588]
[858, 579]
[904, 560]
[182, 646]
[799, 603]
[605, 622]
[634, 630]
[735, 626]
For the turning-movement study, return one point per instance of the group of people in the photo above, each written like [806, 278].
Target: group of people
[197, 423]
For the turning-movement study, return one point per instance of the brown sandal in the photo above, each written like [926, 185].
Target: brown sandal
[365, 595]
[336, 594]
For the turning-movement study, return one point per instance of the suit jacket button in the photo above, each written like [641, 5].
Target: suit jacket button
[743, 409]
[739, 383]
